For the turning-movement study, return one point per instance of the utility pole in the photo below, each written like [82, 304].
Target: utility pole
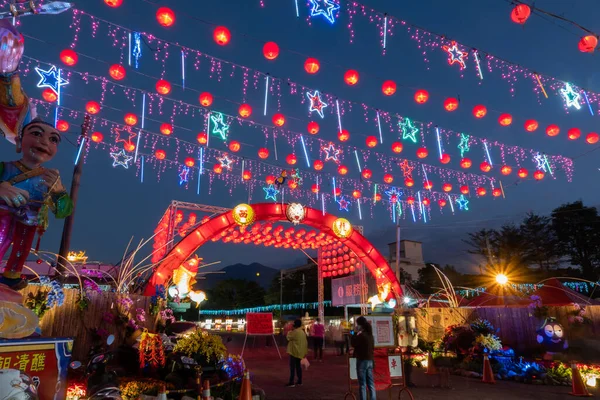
[65, 242]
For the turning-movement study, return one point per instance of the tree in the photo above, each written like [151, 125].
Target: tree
[235, 293]
[298, 286]
[577, 229]
[481, 243]
[502, 247]
[541, 243]
[429, 281]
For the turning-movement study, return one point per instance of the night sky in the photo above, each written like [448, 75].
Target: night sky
[114, 206]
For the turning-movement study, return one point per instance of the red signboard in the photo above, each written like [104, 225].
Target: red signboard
[259, 323]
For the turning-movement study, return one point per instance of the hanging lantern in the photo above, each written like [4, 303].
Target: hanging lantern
[217, 168]
[506, 170]
[234, 146]
[466, 163]
[592, 138]
[446, 187]
[410, 200]
[422, 152]
[505, 119]
[205, 99]
[337, 192]
[552, 130]
[117, 72]
[445, 158]
[245, 110]
[314, 188]
[270, 179]
[464, 189]
[451, 104]
[366, 173]
[397, 147]
[538, 175]
[291, 159]
[356, 194]
[588, 44]
[190, 162]
[522, 172]
[388, 178]
[113, 3]
[351, 77]
[442, 202]
[312, 127]
[271, 50]
[497, 192]
[165, 16]
[388, 88]
[163, 87]
[485, 166]
[342, 170]
[247, 175]
[69, 57]
[202, 138]
[278, 119]
[312, 65]
[318, 165]
[343, 135]
[426, 201]
[166, 129]
[479, 111]
[129, 146]
[221, 35]
[293, 184]
[520, 13]
[130, 119]
[92, 107]
[427, 185]
[371, 141]
[409, 182]
[97, 137]
[62, 125]
[421, 96]
[49, 95]
[531, 125]
[574, 133]
[481, 191]
[263, 153]
[377, 197]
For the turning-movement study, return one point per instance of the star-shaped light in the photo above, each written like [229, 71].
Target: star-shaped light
[407, 169]
[120, 158]
[50, 79]
[225, 162]
[571, 97]
[219, 126]
[409, 131]
[463, 203]
[295, 175]
[343, 203]
[271, 192]
[183, 175]
[316, 104]
[394, 195]
[331, 153]
[118, 131]
[540, 162]
[326, 8]
[463, 146]
[455, 55]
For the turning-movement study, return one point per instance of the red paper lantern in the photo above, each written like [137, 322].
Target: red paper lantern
[117, 72]
[293, 184]
[409, 182]
[481, 191]
[312, 127]
[588, 44]
[318, 165]
[166, 129]
[245, 110]
[445, 158]
[371, 141]
[464, 189]
[351, 77]
[520, 13]
[466, 163]
[388, 88]
[574, 133]
[344, 135]
[202, 138]
[271, 50]
[356, 194]
[446, 187]
[205, 99]
[342, 170]
[531, 125]
[366, 173]
[485, 166]
[190, 162]
[505, 119]
[278, 119]
[69, 57]
[397, 147]
[506, 170]
[427, 185]
[221, 35]
[49, 95]
[442, 202]
[538, 175]
[113, 3]
[388, 178]
[451, 104]
[62, 125]
[312, 65]
[479, 111]
[337, 192]
[263, 153]
[130, 119]
[410, 200]
[422, 152]
[291, 159]
[247, 175]
[592, 138]
[522, 172]
[315, 188]
[497, 192]
[234, 146]
[163, 87]
[217, 168]
[129, 146]
[426, 201]
[165, 16]
[552, 130]
[421, 96]
[377, 197]
[270, 179]
[92, 107]
[97, 137]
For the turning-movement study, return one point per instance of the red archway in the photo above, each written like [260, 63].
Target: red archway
[363, 249]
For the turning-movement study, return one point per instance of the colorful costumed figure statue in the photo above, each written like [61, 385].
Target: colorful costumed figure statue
[551, 336]
[27, 192]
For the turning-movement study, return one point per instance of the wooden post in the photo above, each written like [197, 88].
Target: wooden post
[65, 242]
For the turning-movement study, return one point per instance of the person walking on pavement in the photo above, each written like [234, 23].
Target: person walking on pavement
[318, 334]
[297, 348]
[364, 348]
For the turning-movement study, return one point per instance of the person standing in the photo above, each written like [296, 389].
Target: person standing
[297, 348]
[318, 334]
[364, 347]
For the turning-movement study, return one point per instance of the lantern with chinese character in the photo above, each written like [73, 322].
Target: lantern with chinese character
[92, 107]
[351, 77]
[312, 127]
[69, 57]
[409, 182]
[451, 104]
[163, 87]
[343, 135]
[235, 146]
[421, 96]
[466, 163]
[505, 119]
[166, 129]
[117, 72]
[397, 147]
[221, 35]
[130, 119]
[278, 119]
[371, 141]
[422, 152]
[318, 165]
[291, 159]
[388, 178]
[271, 50]
[312, 65]
[485, 166]
[552, 130]
[245, 110]
[165, 16]
[366, 173]
[202, 138]
[388, 88]
[205, 99]
[342, 170]
[531, 125]
[49, 95]
[263, 153]
[479, 111]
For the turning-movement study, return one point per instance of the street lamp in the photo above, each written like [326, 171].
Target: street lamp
[501, 279]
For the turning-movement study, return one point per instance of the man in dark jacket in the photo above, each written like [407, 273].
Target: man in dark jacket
[364, 347]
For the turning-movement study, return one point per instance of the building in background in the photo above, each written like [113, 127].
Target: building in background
[411, 258]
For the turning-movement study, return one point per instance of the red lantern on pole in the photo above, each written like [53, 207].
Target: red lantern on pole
[62, 125]
[313, 127]
[588, 44]
[410, 200]
[389, 87]
[451, 104]
[190, 162]
[312, 65]
[165, 16]
[531, 125]
[497, 192]
[520, 13]
[356, 194]
[69, 57]
[221, 35]
[271, 50]
[247, 175]
[163, 87]
[351, 77]
[427, 185]
[442, 202]
[117, 72]
[314, 188]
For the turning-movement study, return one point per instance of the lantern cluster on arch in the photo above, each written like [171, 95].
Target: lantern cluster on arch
[338, 260]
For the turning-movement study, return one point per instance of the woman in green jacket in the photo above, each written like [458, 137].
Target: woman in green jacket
[297, 348]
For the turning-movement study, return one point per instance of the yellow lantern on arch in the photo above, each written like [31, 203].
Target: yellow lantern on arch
[342, 228]
[243, 214]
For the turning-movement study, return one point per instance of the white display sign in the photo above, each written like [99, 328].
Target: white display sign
[383, 330]
[394, 364]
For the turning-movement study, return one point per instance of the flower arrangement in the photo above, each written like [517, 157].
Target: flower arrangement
[132, 390]
[157, 301]
[75, 391]
[539, 310]
[45, 299]
[201, 345]
[234, 366]
[151, 350]
[489, 343]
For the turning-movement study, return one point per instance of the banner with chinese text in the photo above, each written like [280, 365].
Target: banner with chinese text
[346, 291]
[259, 323]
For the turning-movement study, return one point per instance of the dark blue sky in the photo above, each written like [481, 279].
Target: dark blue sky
[114, 205]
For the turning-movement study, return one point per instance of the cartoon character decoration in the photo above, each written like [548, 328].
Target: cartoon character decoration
[27, 192]
[281, 179]
[295, 213]
[16, 385]
[552, 336]
[184, 279]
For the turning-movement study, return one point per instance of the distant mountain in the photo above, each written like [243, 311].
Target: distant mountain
[256, 272]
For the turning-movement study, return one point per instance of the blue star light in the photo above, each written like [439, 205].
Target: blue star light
[183, 175]
[316, 104]
[394, 195]
[225, 162]
[50, 79]
[540, 162]
[571, 97]
[463, 146]
[331, 153]
[326, 8]
[271, 192]
[343, 203]
[219, 126]
[409, 131]
[463, 203]
[455, 55]
[121, 159]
